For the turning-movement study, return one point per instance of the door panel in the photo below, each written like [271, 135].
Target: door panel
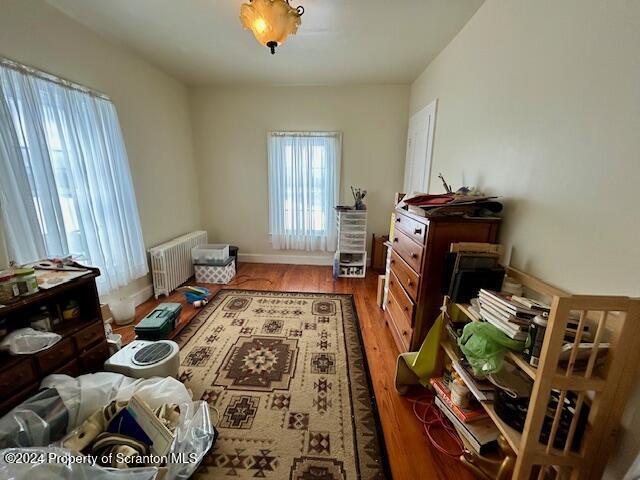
[419, 149]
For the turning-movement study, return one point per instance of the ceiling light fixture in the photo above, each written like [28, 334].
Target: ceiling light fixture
[271, 21]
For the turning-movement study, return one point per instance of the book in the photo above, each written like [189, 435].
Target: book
[507, 304]
[504, 327]
[513, 320]
[481, 435]
[522, 315]
[531, 303]
[464, 415]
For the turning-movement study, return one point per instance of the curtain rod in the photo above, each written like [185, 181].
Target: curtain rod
[305, 134]
[49, 77]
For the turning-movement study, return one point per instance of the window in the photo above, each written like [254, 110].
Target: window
[65, 185]
[304, 179]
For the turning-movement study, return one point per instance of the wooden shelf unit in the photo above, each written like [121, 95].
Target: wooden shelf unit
[511, 435]
[527, 368]
[605, 389]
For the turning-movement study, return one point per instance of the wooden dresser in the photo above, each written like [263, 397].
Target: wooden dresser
[419, 246]
[83, 348]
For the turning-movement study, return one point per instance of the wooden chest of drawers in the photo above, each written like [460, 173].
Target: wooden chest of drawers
[83, 348]
[419, 247]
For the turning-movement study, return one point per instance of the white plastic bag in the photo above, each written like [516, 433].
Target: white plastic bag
[27, 340]
[83, 395]
[47, 464]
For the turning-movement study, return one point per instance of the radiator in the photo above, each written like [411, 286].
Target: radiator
[171, 262]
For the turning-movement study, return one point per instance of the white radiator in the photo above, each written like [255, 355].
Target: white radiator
[171, 264]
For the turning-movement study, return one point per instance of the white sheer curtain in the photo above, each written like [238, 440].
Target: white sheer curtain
[304, 182]
[65, 185]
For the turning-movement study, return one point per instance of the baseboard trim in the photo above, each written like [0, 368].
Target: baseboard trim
[324, 260]
[142, 295]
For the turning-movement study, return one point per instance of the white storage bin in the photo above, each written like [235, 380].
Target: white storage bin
[221, 274]
[210, 254]
[351, 254]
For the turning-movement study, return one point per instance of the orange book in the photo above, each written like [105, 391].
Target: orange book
[465, 415]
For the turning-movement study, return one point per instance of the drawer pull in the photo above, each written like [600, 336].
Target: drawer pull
[395, 239]
[406, 309]
[398, 219]
[417, 231]
[414, 255]
[409, 283]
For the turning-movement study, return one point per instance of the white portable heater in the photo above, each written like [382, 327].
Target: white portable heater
[146, 359]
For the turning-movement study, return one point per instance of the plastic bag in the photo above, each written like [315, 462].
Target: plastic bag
[485, 346]
[85, 394]
[46, 463]
[27, 340]
[40, 420]
[82, 396]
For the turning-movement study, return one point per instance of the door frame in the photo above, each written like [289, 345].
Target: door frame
[429, 111]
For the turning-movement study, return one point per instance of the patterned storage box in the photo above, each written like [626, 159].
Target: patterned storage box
[216, 273]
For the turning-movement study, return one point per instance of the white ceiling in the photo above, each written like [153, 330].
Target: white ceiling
[339, 42]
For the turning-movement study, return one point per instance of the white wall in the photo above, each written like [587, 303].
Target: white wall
[152, 108]
[230, 130]
[539, 101]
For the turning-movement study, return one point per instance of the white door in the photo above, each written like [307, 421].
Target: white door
[417, 168]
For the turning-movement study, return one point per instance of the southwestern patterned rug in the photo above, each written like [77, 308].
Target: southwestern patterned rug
[287, 374]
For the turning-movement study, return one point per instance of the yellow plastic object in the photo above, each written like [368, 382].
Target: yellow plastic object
[416, 368]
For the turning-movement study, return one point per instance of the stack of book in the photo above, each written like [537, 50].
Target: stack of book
[465, 415]
[473, 424]
[509, 313]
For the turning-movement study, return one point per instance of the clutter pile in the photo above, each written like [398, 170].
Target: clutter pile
[459, 204]
[126, 429]
[142, 429]
[465, 201]
[196, 296]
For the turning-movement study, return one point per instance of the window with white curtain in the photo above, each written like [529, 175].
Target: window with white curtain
[65, 184]
[304, 182]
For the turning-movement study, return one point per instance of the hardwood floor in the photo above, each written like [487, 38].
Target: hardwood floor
[410, 453]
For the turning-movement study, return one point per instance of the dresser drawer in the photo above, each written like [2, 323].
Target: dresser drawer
[404, 301]
[399, 321]
[7, 403]
[16, 377]
[89, 335]
[408, 278]
[93, 360]
[409, 250]
[51, 358]
[414, 229]
[401, 343]
[72, 369]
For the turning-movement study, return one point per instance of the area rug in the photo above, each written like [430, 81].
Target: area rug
[287, 376]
